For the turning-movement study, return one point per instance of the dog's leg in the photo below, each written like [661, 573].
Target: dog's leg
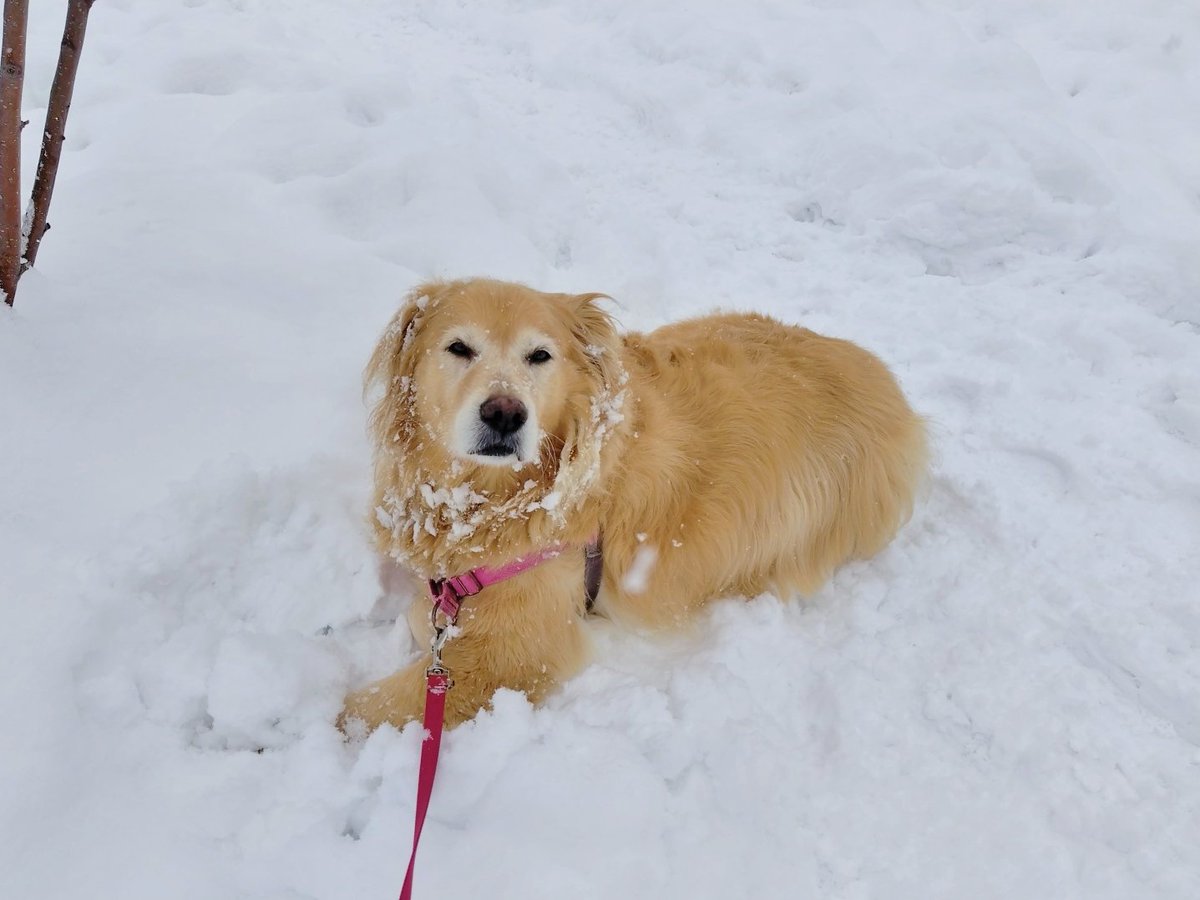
[398, 699]
[478, 672]
[525, 640]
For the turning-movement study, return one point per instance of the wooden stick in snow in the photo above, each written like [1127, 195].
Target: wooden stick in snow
[12, 75]
[56, 122]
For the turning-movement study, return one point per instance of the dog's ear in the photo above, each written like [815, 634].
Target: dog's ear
[387, 382]
[596, 334]
[594, 412]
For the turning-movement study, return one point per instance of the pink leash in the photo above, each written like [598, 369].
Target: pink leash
[447, 595]
[436, 685]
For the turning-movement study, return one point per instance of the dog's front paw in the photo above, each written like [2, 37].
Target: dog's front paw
[396, 700]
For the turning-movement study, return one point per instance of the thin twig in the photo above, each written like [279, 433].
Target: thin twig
[52, 137]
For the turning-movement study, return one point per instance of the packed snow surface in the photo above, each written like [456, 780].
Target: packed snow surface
[999, 197]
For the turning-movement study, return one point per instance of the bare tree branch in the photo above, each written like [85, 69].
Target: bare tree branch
[56, 122]
[12, 76]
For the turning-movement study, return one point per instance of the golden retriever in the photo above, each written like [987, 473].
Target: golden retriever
[725, 455]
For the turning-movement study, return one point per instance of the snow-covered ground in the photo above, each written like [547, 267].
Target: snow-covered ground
[1000, 198]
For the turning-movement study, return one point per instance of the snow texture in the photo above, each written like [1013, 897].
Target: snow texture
[1000, 197]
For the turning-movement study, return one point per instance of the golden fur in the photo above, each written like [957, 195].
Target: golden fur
[726, 455]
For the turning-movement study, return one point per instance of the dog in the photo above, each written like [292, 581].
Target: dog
[720, 456]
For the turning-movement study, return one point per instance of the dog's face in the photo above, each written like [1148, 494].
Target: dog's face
[493, 374]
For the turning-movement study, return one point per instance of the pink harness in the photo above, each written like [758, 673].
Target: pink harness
[447, 595]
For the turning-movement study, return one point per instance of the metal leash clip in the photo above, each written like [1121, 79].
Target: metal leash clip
[441, 634]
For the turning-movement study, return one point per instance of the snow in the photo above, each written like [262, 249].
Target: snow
[638, 575]
[1000, 197]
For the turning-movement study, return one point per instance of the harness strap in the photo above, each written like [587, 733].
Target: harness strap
[448, 593]
[593, 570]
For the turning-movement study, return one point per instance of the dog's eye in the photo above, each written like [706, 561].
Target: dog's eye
[461, 350]
[539, 356]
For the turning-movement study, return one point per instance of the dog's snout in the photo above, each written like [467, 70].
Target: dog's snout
[503, 414]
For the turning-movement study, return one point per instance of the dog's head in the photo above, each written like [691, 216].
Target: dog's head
[493, 380]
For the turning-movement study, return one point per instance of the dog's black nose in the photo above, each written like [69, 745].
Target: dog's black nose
[504, 415]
